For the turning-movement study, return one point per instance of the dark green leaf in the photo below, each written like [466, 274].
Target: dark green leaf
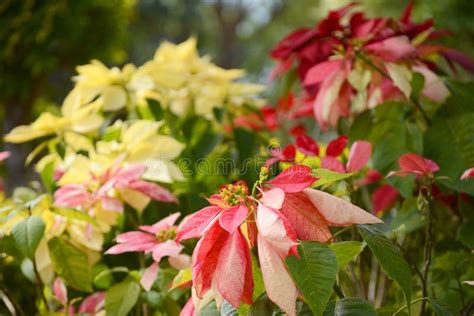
[417, 84]
[245, 142]
[70, 263]
[260, 307]
[27, 234]
[156, 109]
[389, 257]
[120, 298]
[314, 273]
[350, 307]
[440, 310]
[466, 233]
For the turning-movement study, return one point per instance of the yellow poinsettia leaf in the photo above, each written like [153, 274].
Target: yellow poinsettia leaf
[113, 98]
[77, 142]
[135, 199]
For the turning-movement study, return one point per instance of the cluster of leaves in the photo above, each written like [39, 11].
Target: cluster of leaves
[375, 222]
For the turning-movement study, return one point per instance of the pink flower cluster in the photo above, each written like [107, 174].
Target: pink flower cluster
[82, 196]
[157, 239]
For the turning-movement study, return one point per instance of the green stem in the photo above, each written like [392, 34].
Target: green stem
[340, 232]
[427, 259]
[422, 111]
[40, 285]
[424, 299]
[461, 293]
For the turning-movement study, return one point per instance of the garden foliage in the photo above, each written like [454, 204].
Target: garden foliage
[174, 188]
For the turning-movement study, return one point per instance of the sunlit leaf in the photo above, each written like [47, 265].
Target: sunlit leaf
[70, 263]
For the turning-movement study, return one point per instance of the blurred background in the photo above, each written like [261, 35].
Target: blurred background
[41, 42]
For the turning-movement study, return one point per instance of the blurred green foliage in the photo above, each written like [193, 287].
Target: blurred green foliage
[38, 37]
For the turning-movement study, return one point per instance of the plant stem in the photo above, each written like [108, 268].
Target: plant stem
[372, 288]
[424, 299]
[427, 258]
[461, 293]
[40, 285]
[422, 111]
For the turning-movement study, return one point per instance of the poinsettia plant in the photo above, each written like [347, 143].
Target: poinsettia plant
[172, 188]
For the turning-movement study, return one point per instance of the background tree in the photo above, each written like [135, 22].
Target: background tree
[40, 44]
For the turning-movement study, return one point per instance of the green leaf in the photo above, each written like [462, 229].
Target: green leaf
[112, 133]
[351, 307]
[27, 235]
[346, 251]
[201, 138]
[120, 298]
[228, 310]
[259, 287]
[103, 276]
[47, 175]
[390, 259]
[209, 310]
[438, 309]
[23, 195]
[466, 233]
[260, 307]
[327, 177]
[245, 141]
[449, 139]
[314, 273]
[145, 112]
[156, 109]
[417, 83]
[408, 218]
[71, 264]
[389, 132]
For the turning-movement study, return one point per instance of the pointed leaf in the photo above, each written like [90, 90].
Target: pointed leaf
[27, 234]
[120, 298]
[327, 177]
[390, 259]
[346, 251]
[314, 273]
[70, 263]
